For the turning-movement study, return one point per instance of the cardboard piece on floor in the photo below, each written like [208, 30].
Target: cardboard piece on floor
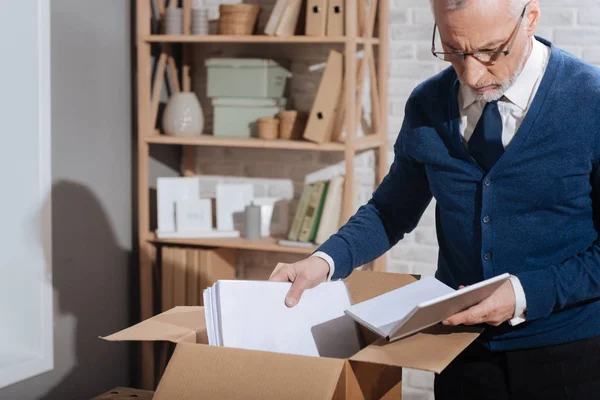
[198, 370]
[124, 393]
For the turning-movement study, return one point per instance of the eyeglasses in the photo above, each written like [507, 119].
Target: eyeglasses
[485, 56]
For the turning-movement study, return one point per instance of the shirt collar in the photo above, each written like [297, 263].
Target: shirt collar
[521, 90]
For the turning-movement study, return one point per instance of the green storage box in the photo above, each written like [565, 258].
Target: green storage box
[237, 117]
[245, 77]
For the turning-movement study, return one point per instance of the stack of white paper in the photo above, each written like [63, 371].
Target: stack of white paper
[253, 315]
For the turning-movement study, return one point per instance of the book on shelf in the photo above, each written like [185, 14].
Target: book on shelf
[318, 213]
[311, 220]
[283, 20]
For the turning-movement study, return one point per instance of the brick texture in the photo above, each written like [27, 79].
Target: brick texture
[570, 24]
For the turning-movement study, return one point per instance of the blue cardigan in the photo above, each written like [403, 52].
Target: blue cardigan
[541, 198]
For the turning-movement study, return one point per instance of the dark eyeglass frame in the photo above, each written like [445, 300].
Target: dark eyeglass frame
[493, 54]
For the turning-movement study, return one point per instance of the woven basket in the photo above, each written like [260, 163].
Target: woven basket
[268, 128]
[238, 19]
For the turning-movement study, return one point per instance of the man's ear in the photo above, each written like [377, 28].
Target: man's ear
[532, 16]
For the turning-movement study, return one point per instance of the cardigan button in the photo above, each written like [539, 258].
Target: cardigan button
[487, 256]
[487, 182]
[486, 219]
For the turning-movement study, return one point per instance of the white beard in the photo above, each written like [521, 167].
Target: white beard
[496, 94]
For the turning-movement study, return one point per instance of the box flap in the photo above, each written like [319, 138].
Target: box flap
[179, 324]
[210, 372]
[431, 350]
[364, 285]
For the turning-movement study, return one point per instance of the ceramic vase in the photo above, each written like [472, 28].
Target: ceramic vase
[183, 115]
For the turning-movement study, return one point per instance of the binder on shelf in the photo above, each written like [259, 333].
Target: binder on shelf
[167, 278]
[335, 17]
[322, 115]
[192, 277]
[289, 19]
[179, 276]
[316, 17]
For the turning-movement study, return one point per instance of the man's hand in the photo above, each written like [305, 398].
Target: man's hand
[304, 274]
[494, 310]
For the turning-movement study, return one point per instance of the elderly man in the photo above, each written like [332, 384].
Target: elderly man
[507, 141]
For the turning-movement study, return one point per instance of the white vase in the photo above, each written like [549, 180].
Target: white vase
[183, 115]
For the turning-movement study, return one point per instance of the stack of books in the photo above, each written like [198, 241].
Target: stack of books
[318, 214]
[284, 18]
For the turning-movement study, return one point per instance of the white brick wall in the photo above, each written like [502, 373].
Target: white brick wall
[570, 24]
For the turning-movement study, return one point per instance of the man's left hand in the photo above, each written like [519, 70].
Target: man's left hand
[494, 310]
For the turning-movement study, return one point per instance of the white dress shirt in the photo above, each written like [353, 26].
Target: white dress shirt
[512, 106]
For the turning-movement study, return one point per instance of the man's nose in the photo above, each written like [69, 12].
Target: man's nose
[473, 71]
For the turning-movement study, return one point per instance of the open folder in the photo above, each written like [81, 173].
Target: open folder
[412, 308]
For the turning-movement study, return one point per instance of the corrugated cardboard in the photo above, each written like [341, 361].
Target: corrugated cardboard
[197, 370]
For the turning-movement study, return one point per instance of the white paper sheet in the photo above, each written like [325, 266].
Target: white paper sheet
[253, 315]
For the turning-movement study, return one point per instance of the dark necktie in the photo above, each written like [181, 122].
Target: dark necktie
[485, 144]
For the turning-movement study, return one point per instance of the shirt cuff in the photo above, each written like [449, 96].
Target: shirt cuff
[328, 260]
[520, 302]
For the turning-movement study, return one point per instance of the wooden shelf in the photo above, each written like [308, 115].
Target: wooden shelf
[254, 39]
[365, 143]
[264, 244]
[176, 62]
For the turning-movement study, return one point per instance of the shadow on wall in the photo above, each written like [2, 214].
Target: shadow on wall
[91, 275]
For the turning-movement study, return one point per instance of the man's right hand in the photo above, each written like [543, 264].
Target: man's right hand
[304, 274]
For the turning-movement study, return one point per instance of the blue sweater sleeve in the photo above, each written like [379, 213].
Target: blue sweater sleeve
[393, 210]
[575, 280]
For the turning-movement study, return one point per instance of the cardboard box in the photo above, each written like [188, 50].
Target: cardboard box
[197, 370]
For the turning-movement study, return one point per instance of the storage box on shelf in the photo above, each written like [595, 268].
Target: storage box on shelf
[357, 31]
[243, 90]
[245, 77]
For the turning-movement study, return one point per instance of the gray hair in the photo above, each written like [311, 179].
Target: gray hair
[515, 9]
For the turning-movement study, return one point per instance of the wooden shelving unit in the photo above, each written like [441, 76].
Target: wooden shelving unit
[360, 144]
[264, 244]
[255, 39]
[359, 23]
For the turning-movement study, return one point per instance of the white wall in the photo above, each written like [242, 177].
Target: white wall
[91, 198]
[25, 265]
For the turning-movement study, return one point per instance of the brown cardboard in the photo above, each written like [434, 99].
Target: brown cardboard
[124, 393]
[430, 350]
[178, 325]
[197, 370]
[219, 373]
